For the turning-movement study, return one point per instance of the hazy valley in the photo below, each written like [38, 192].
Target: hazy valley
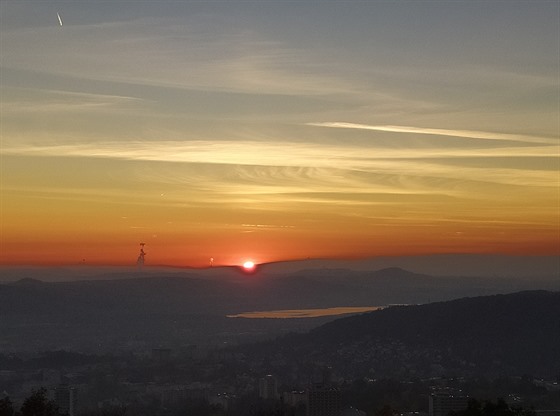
[139, 310]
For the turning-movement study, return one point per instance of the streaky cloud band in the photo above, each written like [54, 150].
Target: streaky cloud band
[468, 134]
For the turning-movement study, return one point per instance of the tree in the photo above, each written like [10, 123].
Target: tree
[115, 411]
[488, 408]
[386, 410]
[38, 405]
[6, 408]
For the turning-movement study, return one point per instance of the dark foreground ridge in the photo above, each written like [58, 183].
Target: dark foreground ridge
[482, 347]
[495, 335]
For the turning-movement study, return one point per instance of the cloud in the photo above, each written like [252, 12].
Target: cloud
[468, 134]
[267, 226]
[199, 53]
[17, 100]
[260, 164]
[270, 153]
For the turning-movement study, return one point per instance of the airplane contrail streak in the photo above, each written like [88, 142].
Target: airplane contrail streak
[59, 19]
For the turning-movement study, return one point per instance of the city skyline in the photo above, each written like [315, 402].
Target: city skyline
[220, 133]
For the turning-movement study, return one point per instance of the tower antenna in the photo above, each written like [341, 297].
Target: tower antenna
[140, 259]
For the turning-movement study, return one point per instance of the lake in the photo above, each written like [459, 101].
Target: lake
[305, 313]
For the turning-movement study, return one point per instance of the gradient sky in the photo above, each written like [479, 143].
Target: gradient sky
[277, 130]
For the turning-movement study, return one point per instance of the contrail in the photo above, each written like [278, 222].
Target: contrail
[59, 19]
[467, 134]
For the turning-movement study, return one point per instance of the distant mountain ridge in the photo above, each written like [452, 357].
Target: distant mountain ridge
[26, 281]
[470, 265]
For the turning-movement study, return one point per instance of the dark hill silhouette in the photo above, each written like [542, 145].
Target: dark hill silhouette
[396, 273]
[27, 282]
[511, 317]
[502, 334]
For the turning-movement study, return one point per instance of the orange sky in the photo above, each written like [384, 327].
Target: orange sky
[238, 133]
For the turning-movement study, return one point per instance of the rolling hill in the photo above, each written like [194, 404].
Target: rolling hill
[512, 334]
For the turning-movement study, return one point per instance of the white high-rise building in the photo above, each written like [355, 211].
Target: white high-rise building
[443, 403]
[268, 388]
[65, 398]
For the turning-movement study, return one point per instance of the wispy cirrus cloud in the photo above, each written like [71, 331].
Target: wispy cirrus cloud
[268, 153]
[17, 100]
[199, 54]
[417, 162]
[468, 134]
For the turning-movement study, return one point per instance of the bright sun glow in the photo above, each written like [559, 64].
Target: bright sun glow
[248, 265]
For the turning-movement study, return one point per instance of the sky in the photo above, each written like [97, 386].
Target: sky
[277, 130]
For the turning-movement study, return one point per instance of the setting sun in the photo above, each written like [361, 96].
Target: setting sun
[248, 265]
